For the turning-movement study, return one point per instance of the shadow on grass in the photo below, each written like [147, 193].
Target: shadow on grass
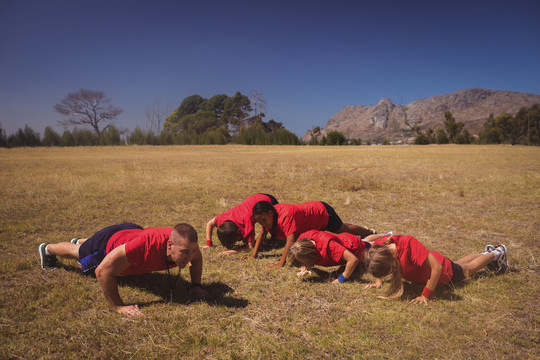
[158, 284]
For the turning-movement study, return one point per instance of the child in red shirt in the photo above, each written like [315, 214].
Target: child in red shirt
[286, 221]
[322, 248]
[236, 224]
[403, 256]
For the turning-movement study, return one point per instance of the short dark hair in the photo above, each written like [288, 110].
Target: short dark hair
[263, 207]
[227, 233]
[187, 232]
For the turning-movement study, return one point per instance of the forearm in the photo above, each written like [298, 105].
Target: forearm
[195, 270]
[434, 278]
[209, 229]
[258, 243]
[436, 270]
[283, 260]
[109, 287]
[349, 267]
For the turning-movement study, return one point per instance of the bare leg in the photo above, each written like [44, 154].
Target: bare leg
[467, 259]
[65, 250]
[354, 229]
[479, 262]
[82, 240]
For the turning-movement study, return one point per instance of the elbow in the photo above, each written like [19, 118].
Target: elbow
[99, 273]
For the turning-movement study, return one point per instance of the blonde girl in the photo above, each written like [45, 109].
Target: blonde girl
[322, 248]
[403, 256]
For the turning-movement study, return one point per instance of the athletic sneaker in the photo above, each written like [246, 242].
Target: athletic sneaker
[502, 261]
[48, 262]
[74, 241]
[492, 265]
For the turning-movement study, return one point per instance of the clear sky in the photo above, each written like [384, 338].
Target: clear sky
[309, 58]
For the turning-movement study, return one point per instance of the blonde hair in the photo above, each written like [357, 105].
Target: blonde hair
[380, 262]
[302, 253]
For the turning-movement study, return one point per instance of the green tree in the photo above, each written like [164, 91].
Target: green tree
[422, 139]
[335, 137]
[51, 137]
[3, 137]
[215, 104]
[24, 137]
[440, 136]
[67, 138]
[190, 105]
[237, 108]
[137, 137]
[111, 136]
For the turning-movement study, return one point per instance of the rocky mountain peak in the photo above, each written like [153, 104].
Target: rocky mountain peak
[392, 122]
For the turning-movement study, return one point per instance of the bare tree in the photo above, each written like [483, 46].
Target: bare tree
[155, 115]
[258, 102]
[87, 107]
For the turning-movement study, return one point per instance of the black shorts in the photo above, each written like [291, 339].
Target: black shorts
[334, 221]
[98, 241]
[458, 273]
[273, 200]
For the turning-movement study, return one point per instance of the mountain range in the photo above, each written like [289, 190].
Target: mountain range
[391, 122]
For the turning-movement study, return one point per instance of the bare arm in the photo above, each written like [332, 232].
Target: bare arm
[436, 271]
[351, 260]
[258, 242]
[209, 229]
[195, 271]
[290, 240]
[113, 265]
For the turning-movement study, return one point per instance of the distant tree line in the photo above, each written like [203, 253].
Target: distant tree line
[523, 128]
[239, 120]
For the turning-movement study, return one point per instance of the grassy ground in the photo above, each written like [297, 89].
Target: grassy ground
[454, 199]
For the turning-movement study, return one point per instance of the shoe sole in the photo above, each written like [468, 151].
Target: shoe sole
[502, 261]
[42, 255]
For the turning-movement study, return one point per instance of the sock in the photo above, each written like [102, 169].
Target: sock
[77, 241]
[46, 251]
[496, 253]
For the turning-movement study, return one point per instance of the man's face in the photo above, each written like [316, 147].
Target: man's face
[181, 250]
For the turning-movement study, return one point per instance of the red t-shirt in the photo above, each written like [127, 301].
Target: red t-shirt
[145, 249]
[412, 254]
[298, 218]
[241, 215]
[330, 247]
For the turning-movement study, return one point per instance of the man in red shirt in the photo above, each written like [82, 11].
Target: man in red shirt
[128, 249]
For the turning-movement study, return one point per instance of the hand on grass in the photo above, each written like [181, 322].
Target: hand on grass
[129, 310]
[420, 300]
[377, 285]
[273, 266]
[227, 253]
[303, 271]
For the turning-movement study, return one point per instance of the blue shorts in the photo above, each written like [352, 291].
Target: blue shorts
[99, 240]
[93, 250]
[334, 221]
[273, 200]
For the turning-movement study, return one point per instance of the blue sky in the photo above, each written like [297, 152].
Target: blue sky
[309, 58]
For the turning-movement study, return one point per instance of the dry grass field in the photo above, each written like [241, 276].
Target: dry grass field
[454, 199]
